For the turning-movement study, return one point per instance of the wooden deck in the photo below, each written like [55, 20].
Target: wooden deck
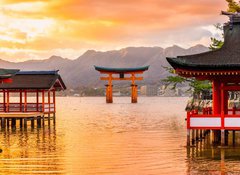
[21, 115]
[21, 119]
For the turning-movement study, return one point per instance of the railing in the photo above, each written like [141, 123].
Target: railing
[206, 120]
[28, 107]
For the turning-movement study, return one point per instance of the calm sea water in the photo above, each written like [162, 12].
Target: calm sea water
[91, 137]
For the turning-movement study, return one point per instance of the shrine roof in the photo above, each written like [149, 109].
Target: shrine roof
[121, 70]
[225, 58]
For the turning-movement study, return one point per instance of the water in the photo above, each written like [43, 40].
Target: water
[91, 137]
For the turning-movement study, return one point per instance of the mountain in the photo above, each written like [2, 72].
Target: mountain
[80, 72]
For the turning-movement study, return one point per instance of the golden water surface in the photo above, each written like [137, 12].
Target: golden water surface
[91, 137]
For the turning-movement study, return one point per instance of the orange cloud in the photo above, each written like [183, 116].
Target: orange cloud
[49, 25]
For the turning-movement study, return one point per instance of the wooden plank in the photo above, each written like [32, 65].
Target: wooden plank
[19, 115]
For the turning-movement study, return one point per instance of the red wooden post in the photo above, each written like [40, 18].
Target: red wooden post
[54, 100]
[25, 101]
[43, 98]
[216, 97]
[20, 100]
[226, 102]
[8, 101]
[222, 98]
[188, 120]
[49, 102]
[37, 96]
[4, 101]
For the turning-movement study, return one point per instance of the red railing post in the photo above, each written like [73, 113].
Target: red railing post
[43, 103]
[188, 119]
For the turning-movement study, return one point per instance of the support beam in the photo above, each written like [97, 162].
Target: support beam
[25, 101]
[134, 89]
[134, 93]
[8, 101]
[49, 102]
[37, 101]
[216, 97]
[43, 101]
[20, 100]
[222, 137]
[188, 137]
[54, 101]
[4, 101]
[234, 137]
[109, 98]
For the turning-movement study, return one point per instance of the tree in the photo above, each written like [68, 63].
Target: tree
[233, 6]
[195, 85]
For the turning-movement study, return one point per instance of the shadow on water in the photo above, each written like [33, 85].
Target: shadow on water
[204, 158]
[30, 151]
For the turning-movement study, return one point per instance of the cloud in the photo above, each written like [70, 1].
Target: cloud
[49, 25]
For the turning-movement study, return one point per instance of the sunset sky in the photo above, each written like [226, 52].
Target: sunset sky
[37, 29]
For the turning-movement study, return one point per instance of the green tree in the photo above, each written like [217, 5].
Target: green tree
[233, 6]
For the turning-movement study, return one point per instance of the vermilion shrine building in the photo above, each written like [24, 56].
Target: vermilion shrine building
[29, 95]
[222, 68]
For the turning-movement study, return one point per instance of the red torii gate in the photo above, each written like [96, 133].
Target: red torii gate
[121, 72]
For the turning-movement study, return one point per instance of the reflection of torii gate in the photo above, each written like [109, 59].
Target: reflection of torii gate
[121, 72]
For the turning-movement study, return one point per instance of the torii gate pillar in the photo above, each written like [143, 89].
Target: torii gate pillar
[134, 93]
[109, 98]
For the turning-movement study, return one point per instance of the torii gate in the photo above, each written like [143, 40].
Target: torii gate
[121, 72]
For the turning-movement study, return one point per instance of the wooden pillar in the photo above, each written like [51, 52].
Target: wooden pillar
[109, 98]
[134, 89]
[20, 100]
[134, 93]
[201, 134]
[49, 112]
[25, 123]
[54, 100]
[216, 97]
[234, 137]
[188, 137]
[222, 137]
[188, 129]
[37, 101]
[8, 100]
[39, 121]
[43, 121]
[21, 122]
[8, 121]
[43, 101]
[25, 101]
[32, 122]
[49, 102]
[4, 101]
[3, 122]
[13, 124]
[193, 136]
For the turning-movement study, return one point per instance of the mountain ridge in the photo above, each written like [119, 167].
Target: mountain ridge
[80, 72]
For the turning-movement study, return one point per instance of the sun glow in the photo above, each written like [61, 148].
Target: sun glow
[69, 27]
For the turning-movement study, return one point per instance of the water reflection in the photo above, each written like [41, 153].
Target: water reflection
[91, 137]
[207, 159]
[24, 151]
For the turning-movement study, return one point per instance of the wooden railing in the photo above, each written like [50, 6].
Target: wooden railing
[28, 107]
[206, 120]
